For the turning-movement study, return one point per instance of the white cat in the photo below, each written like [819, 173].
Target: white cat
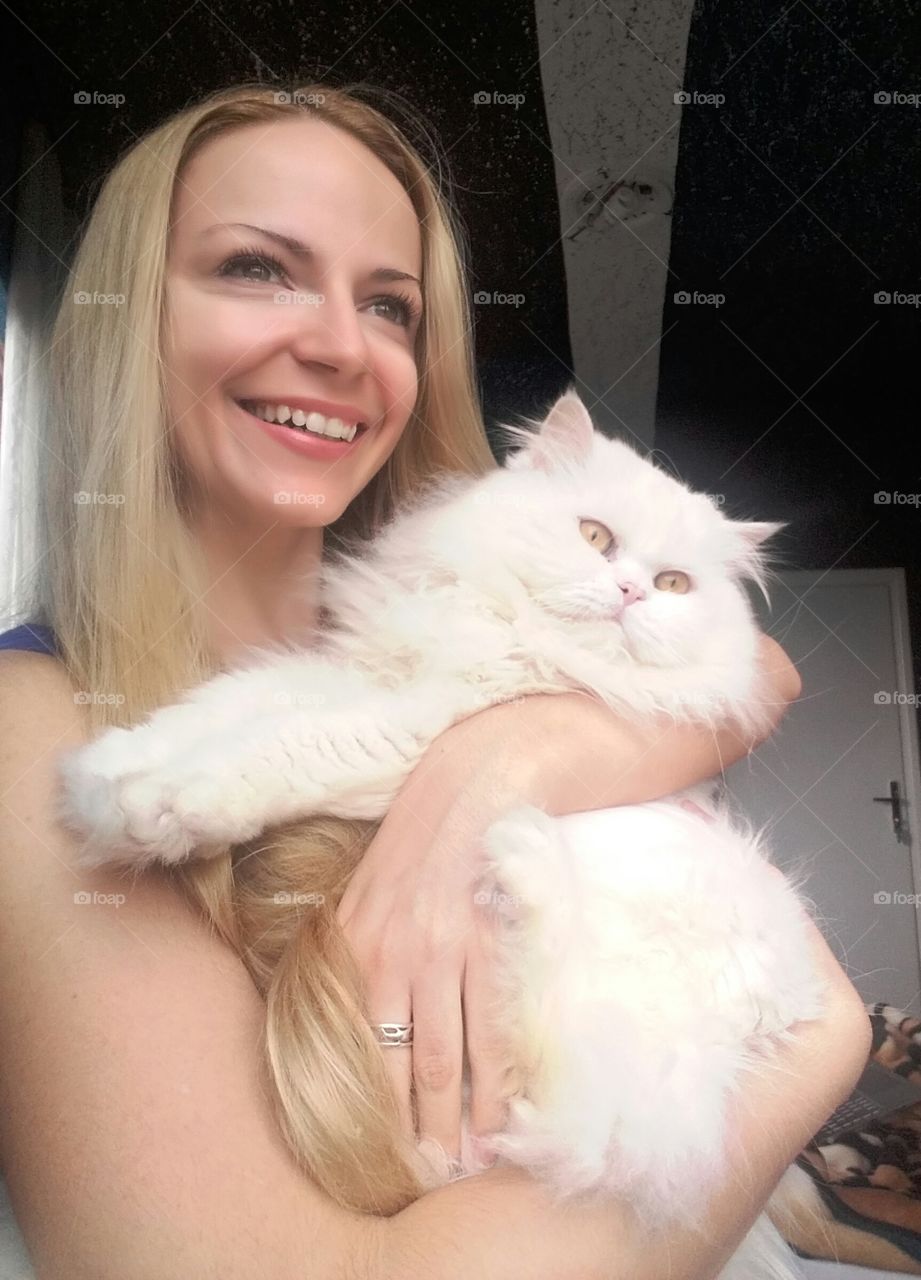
[649, 955]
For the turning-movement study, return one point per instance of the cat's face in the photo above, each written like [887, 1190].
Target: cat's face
[597, 533]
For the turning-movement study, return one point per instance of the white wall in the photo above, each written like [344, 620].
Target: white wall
[609, 86]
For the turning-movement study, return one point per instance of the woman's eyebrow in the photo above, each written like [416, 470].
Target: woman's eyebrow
[300, 250]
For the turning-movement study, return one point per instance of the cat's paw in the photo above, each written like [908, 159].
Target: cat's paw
[152, 815]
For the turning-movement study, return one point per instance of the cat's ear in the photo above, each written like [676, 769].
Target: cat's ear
[747, 538]
[566, 435]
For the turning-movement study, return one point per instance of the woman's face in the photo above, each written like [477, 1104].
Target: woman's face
[282, 300]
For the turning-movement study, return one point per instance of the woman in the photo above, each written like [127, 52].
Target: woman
[289, 251]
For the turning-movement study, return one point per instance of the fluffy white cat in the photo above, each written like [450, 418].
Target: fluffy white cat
[649, 955]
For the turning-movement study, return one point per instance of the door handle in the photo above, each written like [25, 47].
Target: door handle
[895, 799]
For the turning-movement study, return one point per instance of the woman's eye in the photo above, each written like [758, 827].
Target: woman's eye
[241, 264]
[402, 305]
[597, 535]
[672, 580]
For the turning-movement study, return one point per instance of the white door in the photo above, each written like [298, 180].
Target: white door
[815, 782]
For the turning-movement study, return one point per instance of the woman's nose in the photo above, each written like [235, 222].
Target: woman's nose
[327, 330]
[631, 592]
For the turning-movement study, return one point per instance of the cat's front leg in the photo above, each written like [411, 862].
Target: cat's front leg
[350, 763]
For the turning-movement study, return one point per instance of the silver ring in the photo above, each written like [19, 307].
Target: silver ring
[393, 1033]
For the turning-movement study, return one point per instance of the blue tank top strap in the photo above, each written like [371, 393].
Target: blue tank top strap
[34, 636]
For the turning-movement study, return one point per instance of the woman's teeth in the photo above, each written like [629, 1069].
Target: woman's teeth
[315, 423]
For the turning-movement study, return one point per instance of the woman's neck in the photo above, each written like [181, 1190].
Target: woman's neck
[261, 585]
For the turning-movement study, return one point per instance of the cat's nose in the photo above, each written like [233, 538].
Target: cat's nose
[631, 592]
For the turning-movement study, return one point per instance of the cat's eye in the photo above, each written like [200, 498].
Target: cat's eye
[672, 580]
[597, 535]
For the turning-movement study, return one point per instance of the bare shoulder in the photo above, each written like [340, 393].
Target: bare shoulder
[135, 1122]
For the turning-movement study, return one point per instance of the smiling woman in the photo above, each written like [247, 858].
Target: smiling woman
[158, 1055]
[280, 355]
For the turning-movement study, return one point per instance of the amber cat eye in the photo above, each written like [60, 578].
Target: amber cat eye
[672, 580]
[597, 535]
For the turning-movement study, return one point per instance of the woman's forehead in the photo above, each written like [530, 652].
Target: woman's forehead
[303, 178]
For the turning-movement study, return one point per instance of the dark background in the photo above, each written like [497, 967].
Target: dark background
[799, 277]
[162, 56]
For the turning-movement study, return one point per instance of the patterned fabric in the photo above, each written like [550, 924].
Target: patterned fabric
[34, 636]
[868, 1183]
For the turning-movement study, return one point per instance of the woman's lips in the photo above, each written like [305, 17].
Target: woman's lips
[304, 443]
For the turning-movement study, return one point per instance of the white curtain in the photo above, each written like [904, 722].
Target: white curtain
[37, 271]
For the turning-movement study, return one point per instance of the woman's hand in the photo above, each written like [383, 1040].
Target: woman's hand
[425, 953]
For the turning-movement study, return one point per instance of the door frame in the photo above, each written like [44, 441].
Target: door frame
[894, 579]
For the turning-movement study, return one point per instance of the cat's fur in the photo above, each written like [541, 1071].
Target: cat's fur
[649, 956]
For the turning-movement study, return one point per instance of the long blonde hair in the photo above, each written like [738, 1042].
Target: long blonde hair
[119, 578]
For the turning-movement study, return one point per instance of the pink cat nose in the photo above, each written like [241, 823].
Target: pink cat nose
[631, 592]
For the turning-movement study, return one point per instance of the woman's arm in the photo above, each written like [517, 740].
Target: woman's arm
[595, 759]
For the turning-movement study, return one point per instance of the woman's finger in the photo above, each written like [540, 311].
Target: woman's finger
[438, 1056]
[493, 1076]
[387, 1003]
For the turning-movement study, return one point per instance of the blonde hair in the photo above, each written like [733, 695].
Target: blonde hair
[119, 592]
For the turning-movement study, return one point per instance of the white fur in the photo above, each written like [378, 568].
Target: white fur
[648, 957]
